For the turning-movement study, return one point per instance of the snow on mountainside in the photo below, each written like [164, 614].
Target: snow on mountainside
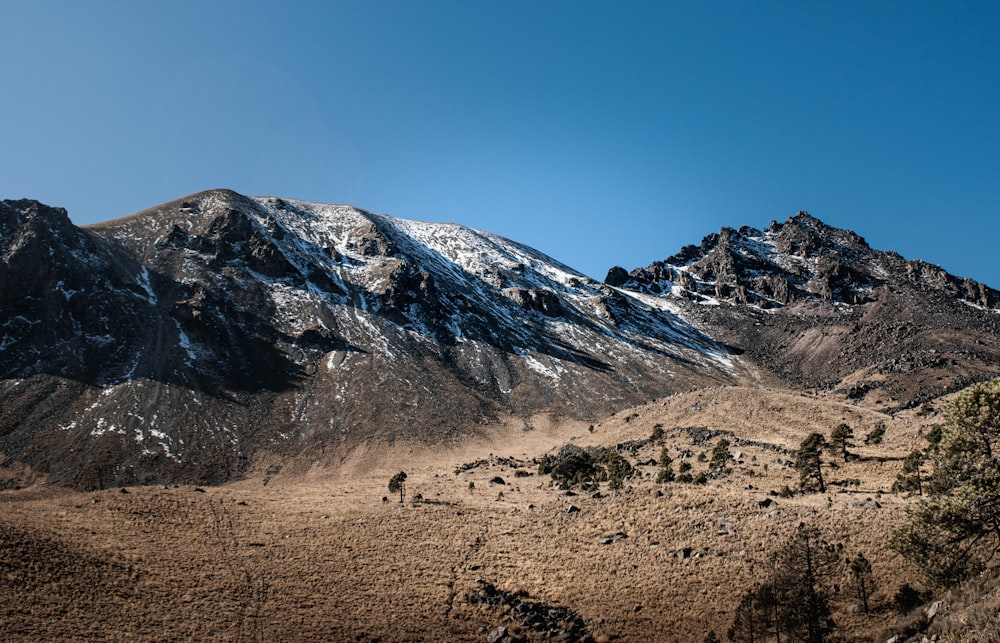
[816, 306]
[180, 342]
[192, 340]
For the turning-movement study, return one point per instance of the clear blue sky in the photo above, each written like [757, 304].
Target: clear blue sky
[601, 133]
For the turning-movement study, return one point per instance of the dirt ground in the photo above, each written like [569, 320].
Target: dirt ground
[316, 554]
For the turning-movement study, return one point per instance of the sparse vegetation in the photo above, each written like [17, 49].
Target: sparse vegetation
[794, 603]
[657, 435]
[318, 551]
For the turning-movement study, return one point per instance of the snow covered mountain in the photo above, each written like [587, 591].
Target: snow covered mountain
[181, 342]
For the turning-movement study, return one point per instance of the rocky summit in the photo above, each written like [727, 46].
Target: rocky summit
[818, 309]
[191, 341]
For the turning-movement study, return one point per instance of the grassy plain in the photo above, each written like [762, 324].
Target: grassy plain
[314, 554]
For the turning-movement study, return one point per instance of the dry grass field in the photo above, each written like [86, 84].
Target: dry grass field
[316, 555]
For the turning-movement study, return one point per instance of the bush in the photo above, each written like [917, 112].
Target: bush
[908, 599]
[587, 468]
[876, 435]
[666, 472]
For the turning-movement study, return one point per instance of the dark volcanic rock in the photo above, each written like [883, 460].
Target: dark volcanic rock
[814, 305]
[177, 344]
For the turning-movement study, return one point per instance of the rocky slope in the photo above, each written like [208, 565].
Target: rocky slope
[189, 341]
[178, 343]
[818, 308]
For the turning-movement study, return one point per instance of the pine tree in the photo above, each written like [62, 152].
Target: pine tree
[840, 440]
[809, 463]
[793, 605]
[805, 567]
[666, 472]
[910, 479]
[955, 530]
[751, 620]
[720, 455]
[396, 484]
[862, 579]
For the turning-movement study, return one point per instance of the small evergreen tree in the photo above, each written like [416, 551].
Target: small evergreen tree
[840, 440]
[862, 580]
[750, 622]
[908, 599]
[793, 605]
[911, 479]
[396, 484]
[808, 463]
[720, 455]
[806, 565]
[666, 472]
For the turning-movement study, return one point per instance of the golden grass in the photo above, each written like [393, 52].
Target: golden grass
[318, 556]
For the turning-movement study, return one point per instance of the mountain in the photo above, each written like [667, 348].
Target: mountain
[818, 308]
[181, 343]
[208, 335]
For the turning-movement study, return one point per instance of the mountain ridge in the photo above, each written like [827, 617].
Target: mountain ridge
[231, 324]
[186, 341]
[821, 309]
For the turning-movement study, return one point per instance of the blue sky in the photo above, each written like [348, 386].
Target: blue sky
[601, 133]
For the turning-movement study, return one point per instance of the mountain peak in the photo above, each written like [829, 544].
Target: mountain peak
[262, 322]
[801, 259]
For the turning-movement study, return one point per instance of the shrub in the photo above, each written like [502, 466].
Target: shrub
[876, 434]
[587, 468]
[666, 472]
[908, 599]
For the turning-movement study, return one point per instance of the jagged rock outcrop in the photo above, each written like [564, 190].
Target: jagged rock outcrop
[817, 307]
